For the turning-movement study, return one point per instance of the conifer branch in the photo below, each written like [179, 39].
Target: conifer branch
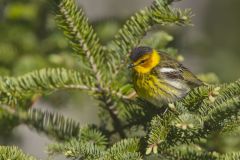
[90, 144]
[230, 156]
[188, 127]
[109, 105]
[42, 81]
[174, 134]
[93, 135]
[222, 115]
[224, 93]
[139, 112]
[47, 80]
[203, 98]
[231, 127]
[76, 149]
[51, 124]
[124, 149]
[8, 153]
[184, 153]
[54, 125]
[57, 126]
[83, 39]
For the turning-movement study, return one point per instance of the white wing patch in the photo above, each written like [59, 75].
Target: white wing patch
[167, 70]
[176, 84]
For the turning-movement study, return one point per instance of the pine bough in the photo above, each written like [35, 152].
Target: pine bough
[139, 129]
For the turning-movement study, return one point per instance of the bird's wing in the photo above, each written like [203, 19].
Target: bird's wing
[172, 69]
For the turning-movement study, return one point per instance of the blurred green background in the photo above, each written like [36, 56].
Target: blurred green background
[30, 40]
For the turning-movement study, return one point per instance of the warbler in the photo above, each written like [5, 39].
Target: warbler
[159, 78]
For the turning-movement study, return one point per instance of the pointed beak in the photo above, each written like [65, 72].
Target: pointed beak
[131, 65]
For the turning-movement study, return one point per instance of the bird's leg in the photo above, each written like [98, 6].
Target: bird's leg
[165, 110]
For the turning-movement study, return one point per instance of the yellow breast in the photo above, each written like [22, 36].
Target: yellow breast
[151, 89]
[155, 90]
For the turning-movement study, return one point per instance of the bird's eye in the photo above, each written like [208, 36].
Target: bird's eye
[142, 61]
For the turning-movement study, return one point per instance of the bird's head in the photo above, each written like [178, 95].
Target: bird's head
[144, 59]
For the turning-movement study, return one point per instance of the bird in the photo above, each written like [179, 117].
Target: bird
[159, 78]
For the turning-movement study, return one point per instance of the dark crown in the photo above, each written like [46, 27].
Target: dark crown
[139, 52]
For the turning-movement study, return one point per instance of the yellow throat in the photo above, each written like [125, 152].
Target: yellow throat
[152, 62]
